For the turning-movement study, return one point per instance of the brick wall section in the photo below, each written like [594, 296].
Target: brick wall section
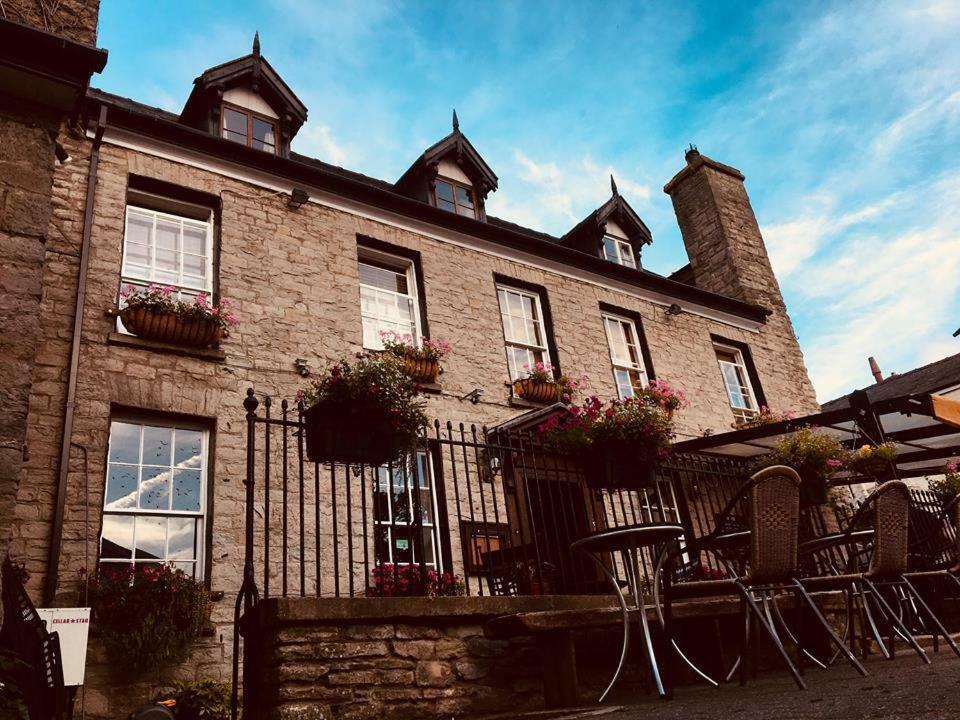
[728, 255]
[73, 19]
[293, 276]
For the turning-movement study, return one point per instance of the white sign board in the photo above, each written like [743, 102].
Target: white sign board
[72, 625]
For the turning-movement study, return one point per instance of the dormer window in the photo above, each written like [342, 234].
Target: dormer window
[456, 198]
[618, 251]
[247, 128]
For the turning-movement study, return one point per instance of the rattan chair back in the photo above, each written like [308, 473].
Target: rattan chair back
[891, 520]
[774, 524]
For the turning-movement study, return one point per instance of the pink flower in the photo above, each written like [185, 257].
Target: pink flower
[834, 463]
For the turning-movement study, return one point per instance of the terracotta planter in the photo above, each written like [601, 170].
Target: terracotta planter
[349, 435]
[421, 369]
[163, 326]
[537, 391]
[619, 465]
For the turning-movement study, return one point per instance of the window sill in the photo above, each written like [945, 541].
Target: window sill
[430, 388]
[215, 354]
[521, 403]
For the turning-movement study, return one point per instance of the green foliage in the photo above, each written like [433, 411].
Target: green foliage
[812, 453]
[948, 484]
[200, 700]
[147, 616]
[872, 460]
[13, 706]
[374, 386]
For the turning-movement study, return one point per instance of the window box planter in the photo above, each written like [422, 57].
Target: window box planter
[421, 370]
[161, 325]
[619, 465]
[350, 434]
[537, 391]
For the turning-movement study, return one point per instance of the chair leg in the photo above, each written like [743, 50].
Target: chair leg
[802, 593]
[867, 615]
[896, 624]
[937, 625]
[745, 644]
[759, 619]
[790, 636]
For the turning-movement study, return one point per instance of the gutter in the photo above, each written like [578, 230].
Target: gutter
[56, 533]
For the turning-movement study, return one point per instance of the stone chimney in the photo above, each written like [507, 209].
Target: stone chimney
[720, 232]
[728, 257]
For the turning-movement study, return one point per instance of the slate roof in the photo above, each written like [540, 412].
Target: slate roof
[926, 379]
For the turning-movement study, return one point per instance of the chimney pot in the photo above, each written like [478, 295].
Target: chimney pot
[875, 369]
[691, 154]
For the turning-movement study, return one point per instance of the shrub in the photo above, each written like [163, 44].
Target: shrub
[812, 453]
[200, 700]
[948, 484]
[391, 580]
[147, 615]
[162, 299]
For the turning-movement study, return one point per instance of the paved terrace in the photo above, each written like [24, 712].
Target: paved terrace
[902, 688]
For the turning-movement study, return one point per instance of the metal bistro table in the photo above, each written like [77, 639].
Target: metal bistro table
[629, 542]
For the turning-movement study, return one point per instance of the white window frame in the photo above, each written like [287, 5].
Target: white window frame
[412, 483]
[454, 184]
[516, 373]
[634, 340]
[739, 365]
[200, 515]
[625, 254]
[183, 290]
[400, 265]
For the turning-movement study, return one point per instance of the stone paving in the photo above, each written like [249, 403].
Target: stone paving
[902, 688]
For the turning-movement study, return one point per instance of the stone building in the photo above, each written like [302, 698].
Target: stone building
[317, 259]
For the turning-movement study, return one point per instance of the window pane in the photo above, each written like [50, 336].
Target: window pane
[151, 538]
[194, 266]
[234, 125]
[445, 192]
[156, 445]
[186, 490]
[124, 443]
[610, 250]
[263, 134]
[464, 197]
[189, 445]
[116, 543]
[181, 544]
[121, 491]
[194, 239]
[155, 488]
[383, 278]
[626, 255]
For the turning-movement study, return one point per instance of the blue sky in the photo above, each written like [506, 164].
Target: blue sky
[845, 118]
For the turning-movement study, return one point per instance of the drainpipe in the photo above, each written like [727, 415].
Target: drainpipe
[56, 534]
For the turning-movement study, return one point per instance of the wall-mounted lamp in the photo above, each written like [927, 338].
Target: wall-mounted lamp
[674, 309]
[301, 365]
[473, 396]
[298, 196]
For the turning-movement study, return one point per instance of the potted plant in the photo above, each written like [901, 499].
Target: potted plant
[815, 455]
[146, 615]
[873, 461]
[533, 581]
[200, 700]
[155, 314]
[766, 416]
[540, 386]
[367, 412]
[620, 444]
[421, 362]
[947, 486]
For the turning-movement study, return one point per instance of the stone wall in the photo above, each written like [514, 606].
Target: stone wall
[73, 19]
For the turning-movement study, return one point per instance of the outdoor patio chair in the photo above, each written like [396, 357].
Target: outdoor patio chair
[890, 506]
[772, 498]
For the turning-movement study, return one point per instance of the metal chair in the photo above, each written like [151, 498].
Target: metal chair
[773, 509]
[890, 506]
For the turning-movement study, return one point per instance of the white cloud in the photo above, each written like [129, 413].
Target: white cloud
[318, 141]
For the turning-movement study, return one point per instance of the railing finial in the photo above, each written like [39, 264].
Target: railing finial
[250, 402]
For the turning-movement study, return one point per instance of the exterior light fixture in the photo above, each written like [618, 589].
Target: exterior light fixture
[674, 309]
[298, 196]
[473, 396]
[301, 365]
[63, 157]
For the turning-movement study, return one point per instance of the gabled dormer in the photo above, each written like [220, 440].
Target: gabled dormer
[450, 175]
[613, 231]
[247, 102]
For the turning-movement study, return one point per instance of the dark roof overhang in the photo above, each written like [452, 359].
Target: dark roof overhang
[461, 150]
[45, 68]
[589, 231]
[149, 123]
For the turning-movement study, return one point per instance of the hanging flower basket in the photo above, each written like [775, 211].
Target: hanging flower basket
[348, 434]
[155, 314]
[362, 413]
[166, 326]
[538, 391]
[420, 361]
[619, 465]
